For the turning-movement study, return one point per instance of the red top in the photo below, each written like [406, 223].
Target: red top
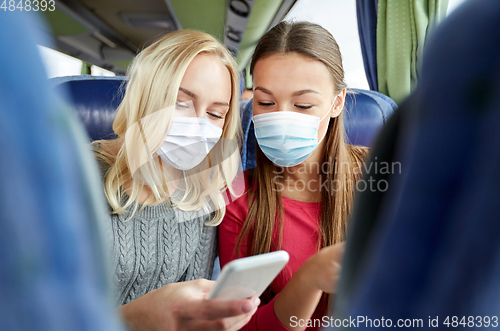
[300, 240]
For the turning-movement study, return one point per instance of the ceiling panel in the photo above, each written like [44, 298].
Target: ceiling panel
[110, 12]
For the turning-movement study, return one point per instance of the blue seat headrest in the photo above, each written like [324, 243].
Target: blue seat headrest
[95, 100]
[366, 112]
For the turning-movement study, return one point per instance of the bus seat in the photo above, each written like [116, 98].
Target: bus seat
[366, 113]
[95, 100]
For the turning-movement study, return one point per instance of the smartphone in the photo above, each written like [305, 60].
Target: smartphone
[248, 276]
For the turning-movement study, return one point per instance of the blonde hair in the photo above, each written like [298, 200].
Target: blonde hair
[155, 76]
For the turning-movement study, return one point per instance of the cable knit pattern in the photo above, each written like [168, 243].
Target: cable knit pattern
[155, 248]
[205, 257]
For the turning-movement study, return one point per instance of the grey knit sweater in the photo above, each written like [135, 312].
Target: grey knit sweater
[158, 246]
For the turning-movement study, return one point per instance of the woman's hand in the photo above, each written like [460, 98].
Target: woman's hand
[300, 297]
[322, 270]
[182, 306]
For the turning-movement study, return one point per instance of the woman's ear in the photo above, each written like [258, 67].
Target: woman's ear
[338, 104]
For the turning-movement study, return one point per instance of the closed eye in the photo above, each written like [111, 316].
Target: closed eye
[265, 104]
[303, 107]
[215, 116]
[181, 106]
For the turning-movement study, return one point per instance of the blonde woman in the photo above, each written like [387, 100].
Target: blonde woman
[302, 189]
[176, 152]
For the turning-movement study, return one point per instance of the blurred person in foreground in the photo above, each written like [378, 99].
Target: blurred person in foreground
[53, 273]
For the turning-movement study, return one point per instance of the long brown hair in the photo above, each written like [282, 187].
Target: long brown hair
[264, 199]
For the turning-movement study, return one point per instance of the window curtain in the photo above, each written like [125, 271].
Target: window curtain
[366, 12]
[402, 28]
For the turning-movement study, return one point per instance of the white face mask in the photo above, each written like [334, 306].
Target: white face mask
[189, 141]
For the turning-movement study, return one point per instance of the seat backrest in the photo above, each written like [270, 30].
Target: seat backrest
[366, 113]
[95, 100]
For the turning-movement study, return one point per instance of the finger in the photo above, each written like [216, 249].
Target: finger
[337, 252]
[227, 324]
[217, 309]
[240, 321]
[341, 247]
[195, 325]
[202, 284]
[332, 289]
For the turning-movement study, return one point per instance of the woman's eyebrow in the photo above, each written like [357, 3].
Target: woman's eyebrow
[188, 92]
[265, 90]
[294, 94]
[220, 103]
[301, 92]
[194, 96]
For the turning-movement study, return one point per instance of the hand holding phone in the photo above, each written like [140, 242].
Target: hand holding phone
[248, 276]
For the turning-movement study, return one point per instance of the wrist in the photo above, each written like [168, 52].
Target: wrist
[306, 278]
[298, 299]
[135, 313]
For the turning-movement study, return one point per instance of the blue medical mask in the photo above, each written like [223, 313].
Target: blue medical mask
[288, 138]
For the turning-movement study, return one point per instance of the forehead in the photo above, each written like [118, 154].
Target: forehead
[292, 72]
[207, 75]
